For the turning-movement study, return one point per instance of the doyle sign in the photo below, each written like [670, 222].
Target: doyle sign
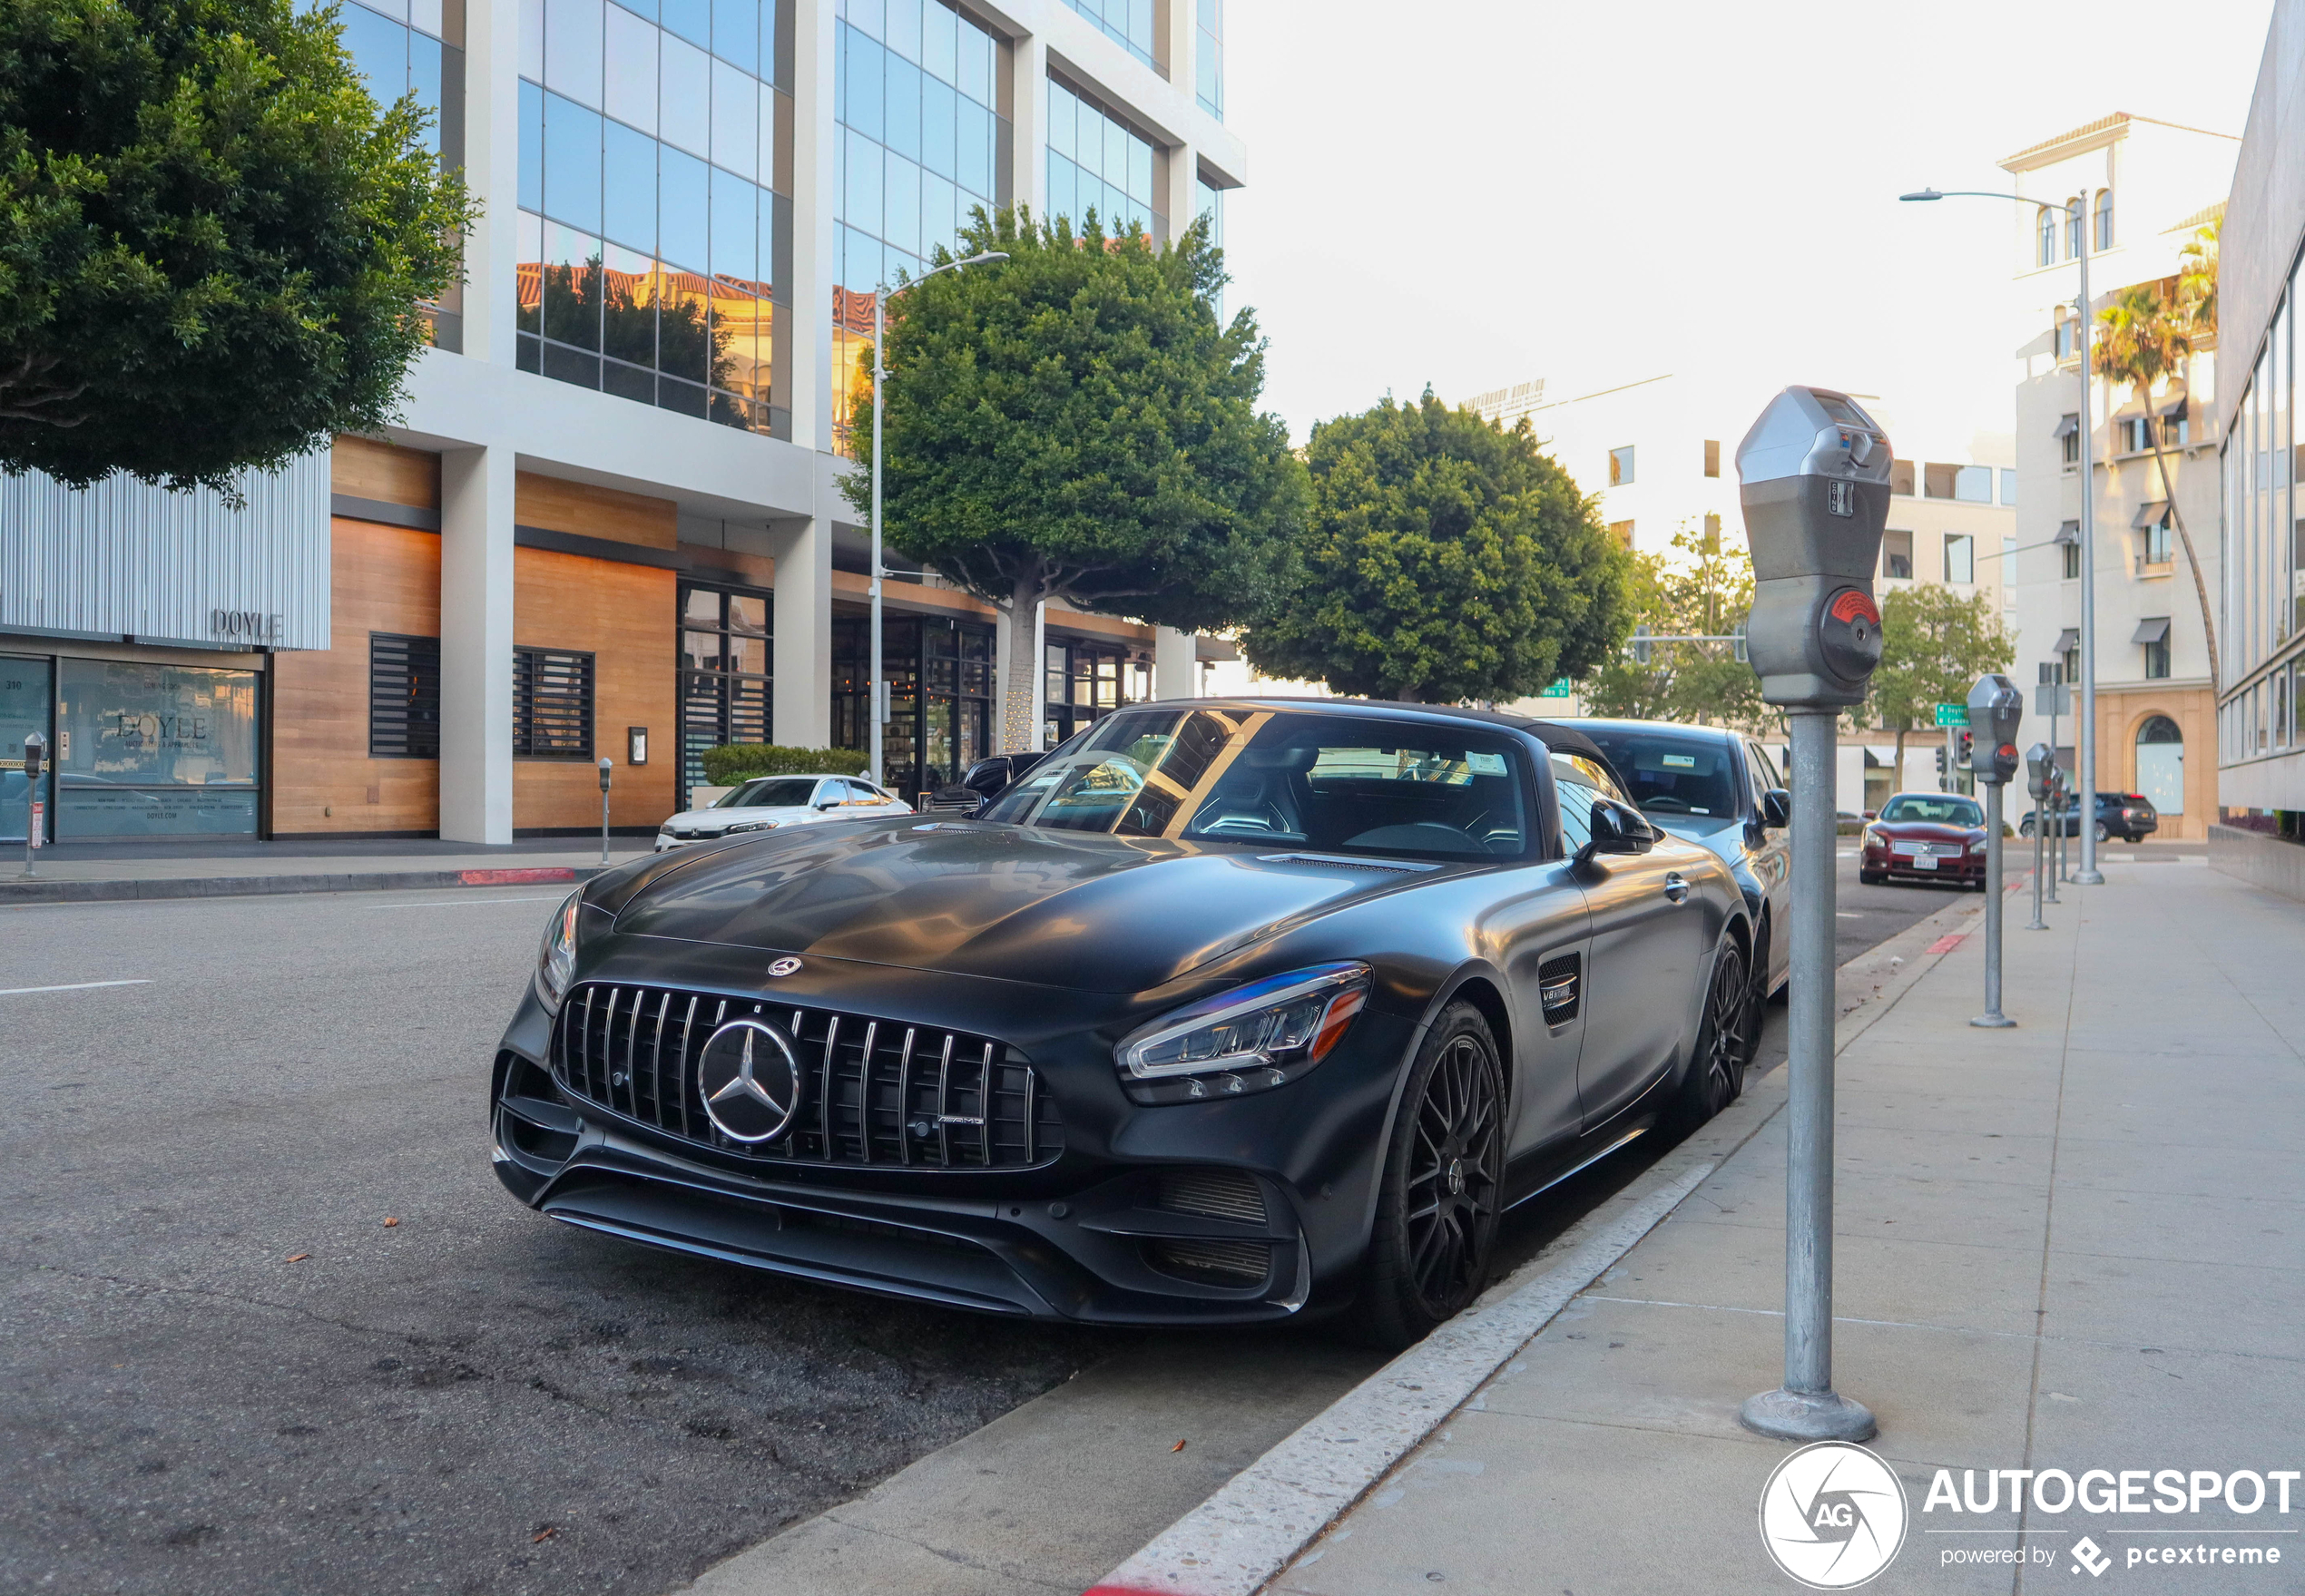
[249, 626]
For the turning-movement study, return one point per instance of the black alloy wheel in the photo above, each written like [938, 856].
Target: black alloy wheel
[1442, 1186]
[1716, 1072]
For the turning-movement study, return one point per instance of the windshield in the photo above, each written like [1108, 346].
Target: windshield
[1332, 783]
[1945, 811]
[1673, 773]
[773, 792]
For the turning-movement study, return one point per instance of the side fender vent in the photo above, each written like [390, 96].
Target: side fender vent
[1560, 985]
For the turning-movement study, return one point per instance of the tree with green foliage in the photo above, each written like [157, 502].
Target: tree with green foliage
[1702, 589]
[1934, 644]
[214, 244]
[1444, 559]
[1075, 423]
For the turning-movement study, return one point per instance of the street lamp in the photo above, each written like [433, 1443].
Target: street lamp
[880, 296]
[2088, 875]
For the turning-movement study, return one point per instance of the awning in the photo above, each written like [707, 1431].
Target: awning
[2068, 640]
[1206, 647]
[2151, 629]
[2070, 533]
[2068, 427]
[2150, 513]
[2175, 405]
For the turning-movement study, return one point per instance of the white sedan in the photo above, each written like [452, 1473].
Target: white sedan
[767, 803]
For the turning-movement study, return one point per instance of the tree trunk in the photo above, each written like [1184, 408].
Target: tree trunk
[1897, 775]
[2200, 585]
[1020, 707]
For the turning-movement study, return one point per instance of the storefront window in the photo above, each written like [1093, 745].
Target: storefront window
[156, 750]
[726, 685]
[1088, 681]
[25, 702]
[940, 690]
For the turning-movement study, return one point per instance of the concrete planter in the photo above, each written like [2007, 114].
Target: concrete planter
[2259, 860]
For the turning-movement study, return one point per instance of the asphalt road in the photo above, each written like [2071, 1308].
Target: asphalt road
[474, 1399]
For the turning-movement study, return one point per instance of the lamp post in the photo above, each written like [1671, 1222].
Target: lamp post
[879, 714]
[2088, 875]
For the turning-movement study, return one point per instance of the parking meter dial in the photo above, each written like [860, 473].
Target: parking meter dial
[2038, 763]
[1996, 707]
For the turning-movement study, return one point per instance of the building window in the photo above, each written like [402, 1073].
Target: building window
[1208, 60]
[1622, 533]
[726, 681]
[552, 704]
[941, 696]
[1621, 466]
[2156, 532]
[2176, 429]
[1127, 22]
[1712, 530]
[654, 226]
[2136, 436]
[1712, 456]
[404, 697]
[427, 60]
[2161, 764]
[2152, 634]
[1973, 485]
[1960, 557]
[2104, 218]
[2073, 667]
[1098, 162]
[2072, 559]
[2045, 251]
[2008, 486]
[2076, 213]
[1900, 477]
[1897, 555]
[1937, 481]
[2068, 338]
[917, 151]
[1084, 681]
[156, 750]
[2069, 439]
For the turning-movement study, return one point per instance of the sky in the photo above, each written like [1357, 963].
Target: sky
[1470, 193]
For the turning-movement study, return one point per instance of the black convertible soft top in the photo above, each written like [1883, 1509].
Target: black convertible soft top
[1560, 738]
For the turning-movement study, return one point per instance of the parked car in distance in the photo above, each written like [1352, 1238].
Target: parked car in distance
[767, 803]
[1926, 836]
[2129, 816]
[1721, 789]
[1233, 1009]
[980, 784]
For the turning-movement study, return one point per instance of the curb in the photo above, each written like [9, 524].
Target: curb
[183, 886]
[1262, 1519]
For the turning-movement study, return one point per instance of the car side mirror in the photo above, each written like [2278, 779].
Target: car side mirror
[1616, 829]
[829, 804]
[1777, 808]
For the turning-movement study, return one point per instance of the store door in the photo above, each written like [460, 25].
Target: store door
[25, 698]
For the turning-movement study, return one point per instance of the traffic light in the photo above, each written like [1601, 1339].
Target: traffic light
[1968, 748]
[1940, 764]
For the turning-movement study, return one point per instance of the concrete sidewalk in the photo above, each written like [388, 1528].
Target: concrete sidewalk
[2074, 1245]
[101, 872]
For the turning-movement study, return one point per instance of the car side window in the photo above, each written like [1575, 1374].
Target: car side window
[828, 792]
[1756, 775]
[864, 792]
[1578, 781]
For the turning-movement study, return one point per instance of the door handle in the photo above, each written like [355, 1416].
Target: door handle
[1676, 886]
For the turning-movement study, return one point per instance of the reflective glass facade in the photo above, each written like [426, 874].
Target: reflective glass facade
[655, 222]
[1096, 161]
[1127, 22]
[1207, 65]
[2264, 556]
[941, 696]
[727, 682]
[920, 147]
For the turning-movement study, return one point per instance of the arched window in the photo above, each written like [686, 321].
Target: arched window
[2045, 254]
[2161, 764]
[2077, 212]
[2104, 218]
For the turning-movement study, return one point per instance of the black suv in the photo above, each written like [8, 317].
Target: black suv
[2129, 816]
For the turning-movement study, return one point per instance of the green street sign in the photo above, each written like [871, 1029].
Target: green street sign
[1952, 714]
[1559, 690]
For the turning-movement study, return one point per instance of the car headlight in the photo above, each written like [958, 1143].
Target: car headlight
[1872, 837]
[749, 825]
[1249, 1039]
[556, 959]
[1981, 845]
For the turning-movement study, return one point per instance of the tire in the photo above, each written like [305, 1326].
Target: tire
[1716, 1071]
[1759, 999]
[1442, 1186]
[2102, 833]
[2025, 827]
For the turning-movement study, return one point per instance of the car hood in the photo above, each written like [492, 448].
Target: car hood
[1926, 830]
[1723, 833]
[712, 819]
[1090, 912]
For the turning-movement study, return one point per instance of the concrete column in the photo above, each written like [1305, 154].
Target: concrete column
[802, 705]
[1176, 664]
[1028, 122]
[475, 645]
[814, 239]
[1180, 190]
[1174, 21]
[492, 168]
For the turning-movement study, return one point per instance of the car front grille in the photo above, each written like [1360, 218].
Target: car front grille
[872, 1092]
[1215, 1194]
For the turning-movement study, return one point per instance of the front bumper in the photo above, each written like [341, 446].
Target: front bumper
[1091, 1236]
[1964, 869]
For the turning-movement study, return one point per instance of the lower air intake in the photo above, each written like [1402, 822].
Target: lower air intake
[1214, 1194]
[1212, 1263]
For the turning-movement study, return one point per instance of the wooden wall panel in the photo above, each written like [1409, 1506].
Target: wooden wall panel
[365, 469]
[557, 505]
[384, 579]
[626, 616]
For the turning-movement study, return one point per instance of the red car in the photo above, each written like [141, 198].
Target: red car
[1926, 836]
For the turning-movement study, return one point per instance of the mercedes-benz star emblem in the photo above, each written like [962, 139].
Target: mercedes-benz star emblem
[751, 1082]
[784, 967]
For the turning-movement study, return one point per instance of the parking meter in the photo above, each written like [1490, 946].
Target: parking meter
[1813, 475]
[1995, 706]
[1813, 482]
[606, 765]
[2040, 780]
[36, 752]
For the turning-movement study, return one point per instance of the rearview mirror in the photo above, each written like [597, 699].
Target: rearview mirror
[1616, 829]
[1777, 808]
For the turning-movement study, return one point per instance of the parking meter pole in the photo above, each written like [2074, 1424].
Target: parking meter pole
[36, 749]
[1995, 708]
[1813, 482]
[606, 767]
[2040, 780]
[2040, 841]
[1993, 1019]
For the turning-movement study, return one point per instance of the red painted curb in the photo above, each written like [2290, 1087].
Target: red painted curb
[1947, 943]
[515, 877]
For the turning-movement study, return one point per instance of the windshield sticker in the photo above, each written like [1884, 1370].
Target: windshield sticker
[1679, 761]
[1485, 764]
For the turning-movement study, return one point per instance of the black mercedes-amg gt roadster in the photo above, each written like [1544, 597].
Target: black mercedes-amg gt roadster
[1227, 1010]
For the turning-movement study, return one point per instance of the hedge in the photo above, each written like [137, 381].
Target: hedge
[740, 761]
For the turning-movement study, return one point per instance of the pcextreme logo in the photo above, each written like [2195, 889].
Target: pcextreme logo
[1833, 1515]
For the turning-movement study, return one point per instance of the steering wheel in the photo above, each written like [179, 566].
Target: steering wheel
[1665, 804]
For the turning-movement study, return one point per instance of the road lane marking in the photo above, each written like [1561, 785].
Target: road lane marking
[462, 902]
[73, 986]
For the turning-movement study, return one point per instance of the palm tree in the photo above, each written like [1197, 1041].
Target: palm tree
[2148, 334]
